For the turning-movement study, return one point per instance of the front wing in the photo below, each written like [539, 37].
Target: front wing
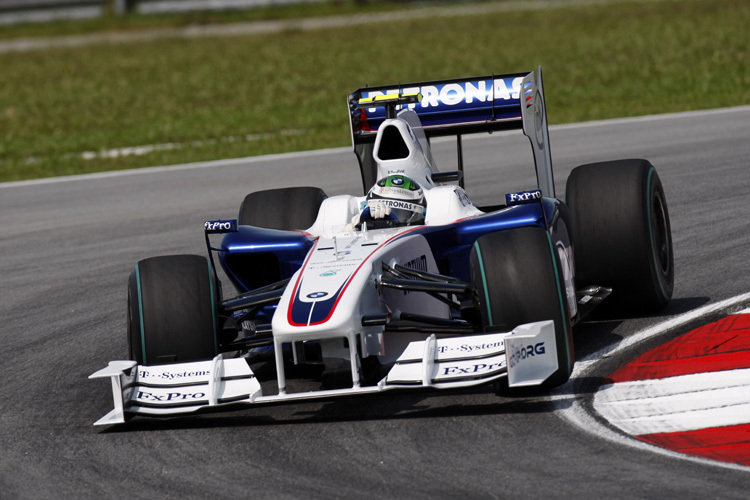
[527, 356]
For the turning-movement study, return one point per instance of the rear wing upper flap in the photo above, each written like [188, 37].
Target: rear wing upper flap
[448, 107]
[462, 106]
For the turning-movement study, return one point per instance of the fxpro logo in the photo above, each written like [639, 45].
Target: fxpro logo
[451, 94]
[524, 196]
[170, 397]
[220, 226]
[471, 370]
[521, 353]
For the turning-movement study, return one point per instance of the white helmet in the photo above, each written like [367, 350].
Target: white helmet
[402, 198]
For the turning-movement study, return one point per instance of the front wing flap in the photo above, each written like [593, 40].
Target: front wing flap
[526, 355]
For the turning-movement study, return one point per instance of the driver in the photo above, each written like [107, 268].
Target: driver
[393, 201]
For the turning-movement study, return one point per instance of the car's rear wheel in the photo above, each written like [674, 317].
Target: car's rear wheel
[519, 279]
[284, 208]
[172, 303]
[622, 236]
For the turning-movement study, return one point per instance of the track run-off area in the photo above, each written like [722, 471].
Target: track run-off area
[69, 244]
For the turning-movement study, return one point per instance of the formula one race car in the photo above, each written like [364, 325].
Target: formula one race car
[410, 286]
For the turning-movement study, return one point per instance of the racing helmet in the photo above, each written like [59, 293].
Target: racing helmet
[403, 198]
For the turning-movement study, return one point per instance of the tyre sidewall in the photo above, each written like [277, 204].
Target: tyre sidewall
[661, 252]
[519, 279]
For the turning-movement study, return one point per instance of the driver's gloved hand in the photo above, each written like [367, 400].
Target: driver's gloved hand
[379, 210]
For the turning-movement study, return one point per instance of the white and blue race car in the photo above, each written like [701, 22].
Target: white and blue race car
[410, 286]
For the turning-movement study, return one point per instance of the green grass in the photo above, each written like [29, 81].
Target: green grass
[287, 90]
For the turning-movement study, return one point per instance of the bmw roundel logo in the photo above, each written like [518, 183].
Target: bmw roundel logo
[316, 295]
[397, 181]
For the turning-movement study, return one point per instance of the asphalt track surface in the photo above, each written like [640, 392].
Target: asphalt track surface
[68, 246]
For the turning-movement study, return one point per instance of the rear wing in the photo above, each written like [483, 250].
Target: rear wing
[461, 106]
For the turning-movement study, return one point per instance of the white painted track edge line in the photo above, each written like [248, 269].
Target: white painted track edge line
[177, 167]
[346, 149]
[651, 118]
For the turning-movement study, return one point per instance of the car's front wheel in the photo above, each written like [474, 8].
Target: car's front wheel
[172, 304]
[519, 279]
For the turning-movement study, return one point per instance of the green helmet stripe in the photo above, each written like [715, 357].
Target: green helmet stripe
[403, 182]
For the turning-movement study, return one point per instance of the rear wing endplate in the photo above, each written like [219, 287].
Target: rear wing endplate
[462, 106]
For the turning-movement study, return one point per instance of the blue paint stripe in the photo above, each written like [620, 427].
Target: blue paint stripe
[323, 308]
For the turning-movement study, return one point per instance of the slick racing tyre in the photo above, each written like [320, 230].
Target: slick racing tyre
[172, 303]
[285, 208]
[519, 279]
[622, 237]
